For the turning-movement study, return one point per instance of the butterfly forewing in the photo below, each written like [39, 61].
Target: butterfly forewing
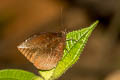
[44, 50]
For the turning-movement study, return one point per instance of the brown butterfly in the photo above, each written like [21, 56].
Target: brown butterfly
[44, 50]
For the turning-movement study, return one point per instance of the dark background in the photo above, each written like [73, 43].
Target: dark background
[100, 59]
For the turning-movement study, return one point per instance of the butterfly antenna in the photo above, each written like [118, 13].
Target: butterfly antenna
[62, 22]
[61, 18]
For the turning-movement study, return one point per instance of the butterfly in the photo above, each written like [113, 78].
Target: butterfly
[44, 50]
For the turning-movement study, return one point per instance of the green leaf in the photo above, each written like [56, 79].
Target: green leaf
[47, 74]
[75, 42]
[7, 79]
[37, 78]
[14, 74]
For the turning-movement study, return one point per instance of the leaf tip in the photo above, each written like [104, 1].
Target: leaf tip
[95, 23]
[92, 27]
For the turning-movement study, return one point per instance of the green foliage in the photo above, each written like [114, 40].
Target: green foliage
[75, 42]
[14, 74]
